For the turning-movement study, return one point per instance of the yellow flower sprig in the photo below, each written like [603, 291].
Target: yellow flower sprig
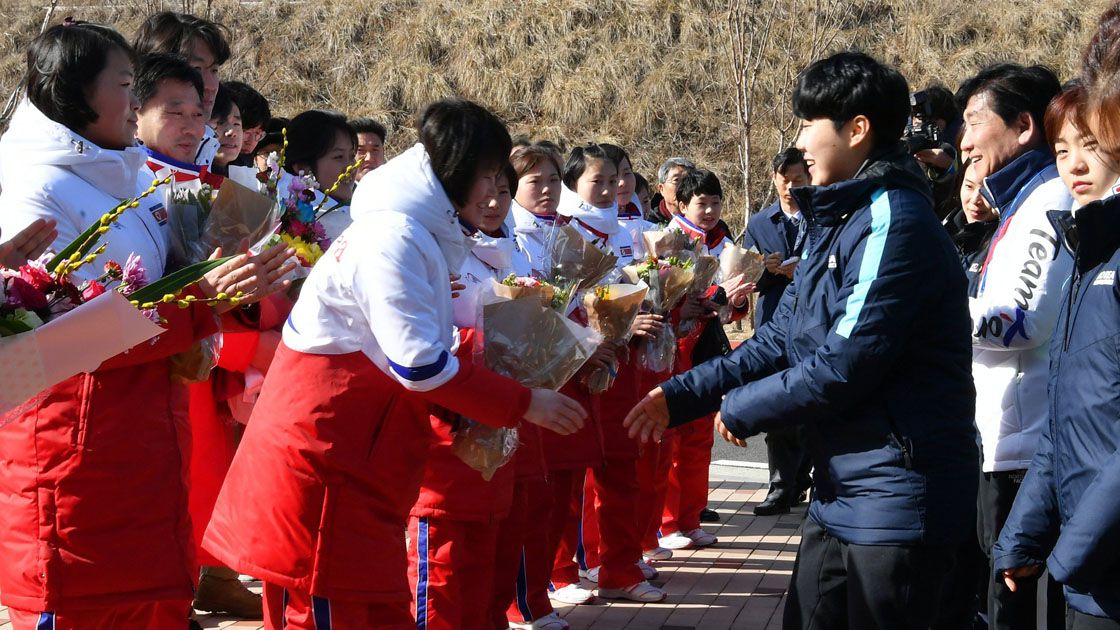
[188, 300]
[342, 177]
[68, 266]
[283, 147]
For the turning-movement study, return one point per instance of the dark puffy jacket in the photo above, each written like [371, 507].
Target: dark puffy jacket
[870, 350]
[1066, 513]
[766, 232]
[972, 241]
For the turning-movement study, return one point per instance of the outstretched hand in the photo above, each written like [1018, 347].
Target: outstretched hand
[726, 434]
[28, 244]
[649, 419]
[555, 411]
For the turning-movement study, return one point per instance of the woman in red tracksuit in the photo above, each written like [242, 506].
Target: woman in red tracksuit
[318, 496]
[93, 501]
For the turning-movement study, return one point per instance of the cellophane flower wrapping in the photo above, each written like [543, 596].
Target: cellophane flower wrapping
[735, 260]
[201, 220]
[669, 242]
[526, 337]
[611, 311]
[668, 281]
[572, 258]
[705, 272]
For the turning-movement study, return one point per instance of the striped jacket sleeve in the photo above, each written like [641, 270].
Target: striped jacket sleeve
[890, 276]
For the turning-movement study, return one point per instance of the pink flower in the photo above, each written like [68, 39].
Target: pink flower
[36, 276]
[297, 229]
[92, 290]
[135, 276]
[22, 293]
[318, 232]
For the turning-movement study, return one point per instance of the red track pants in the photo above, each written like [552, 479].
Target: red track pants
[169, 615]
[524, 557]
[451, 572]
[687, 490]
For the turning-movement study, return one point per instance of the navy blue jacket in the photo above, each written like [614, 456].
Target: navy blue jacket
[972, 241]
[871, 350]
[1067, 512]
[767, 233]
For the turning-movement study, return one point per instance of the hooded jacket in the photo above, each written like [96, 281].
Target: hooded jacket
[869, 349]
[93, 504]
[532, 232]
[1015, 308]
[972, 240]
[598, 225]
[341, 428]
[1066, 513]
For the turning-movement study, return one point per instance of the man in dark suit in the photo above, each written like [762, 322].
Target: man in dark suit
[778, 233]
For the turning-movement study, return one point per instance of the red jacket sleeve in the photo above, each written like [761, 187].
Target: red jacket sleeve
[183, 327]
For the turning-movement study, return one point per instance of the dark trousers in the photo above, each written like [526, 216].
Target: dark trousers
[789, 464]
[838, 586]
[1080, 621]
[1007, 610]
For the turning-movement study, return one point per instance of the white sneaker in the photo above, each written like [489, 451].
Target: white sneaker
[551, 621]
[675, 541]
[701, 538]
[573, 594]
[641, 592]
[591, 575]
[648, 572]
[657, 554]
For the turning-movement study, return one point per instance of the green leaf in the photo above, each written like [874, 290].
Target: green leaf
[9, 327]
[176, 282]
[76, 244]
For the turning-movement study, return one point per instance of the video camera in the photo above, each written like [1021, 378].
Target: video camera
[921, 132]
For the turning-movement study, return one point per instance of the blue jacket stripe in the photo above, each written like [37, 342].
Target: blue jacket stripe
[321, 612]
[523, 590]
[422, 373]
[581, 558]
[422, 574]
[869, 266]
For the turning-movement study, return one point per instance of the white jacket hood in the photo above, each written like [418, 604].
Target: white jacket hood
[33, 139]
[407, 185]
[603, 220]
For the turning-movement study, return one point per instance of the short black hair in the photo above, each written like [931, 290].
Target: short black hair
[511, 176]
[274, 139]
[62, 62]
[276, 124]
[617, 154]
[311, 135]
[787, 158]
[696, 182]
[641, 183]
[368, 125]
[156, 67]
[223, 105]
[941, 103]
[255, 111]
[577, 162]
[850, 84]
[171, 32]
[1013, 89]
[462, 139]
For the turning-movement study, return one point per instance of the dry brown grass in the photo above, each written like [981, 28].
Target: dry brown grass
[653, 75]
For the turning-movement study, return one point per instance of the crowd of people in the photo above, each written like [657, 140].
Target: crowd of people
[934, 363]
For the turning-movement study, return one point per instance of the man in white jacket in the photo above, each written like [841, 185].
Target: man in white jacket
[1016, 303]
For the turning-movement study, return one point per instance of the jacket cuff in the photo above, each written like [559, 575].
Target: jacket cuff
[238, 350]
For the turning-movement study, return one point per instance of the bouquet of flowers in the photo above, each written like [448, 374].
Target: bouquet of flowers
[202, 219]
[611, 310]
[53, 327]
[299, 228]
[669, 242]
[527, 338]
[572, 258]
[669, 279]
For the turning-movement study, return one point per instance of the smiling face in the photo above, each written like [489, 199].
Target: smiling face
[333, 163]
[372, 151]
[598, 185]
[975, 207]
[1085, 169]
[481, 207]
[172, 121]
[230, 135]
[110, 96]
[703, 211]
[833, 155]
[538, 190]
[988, 140]
[626, 183]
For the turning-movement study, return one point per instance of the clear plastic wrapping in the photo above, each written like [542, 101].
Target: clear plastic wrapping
[611, 311]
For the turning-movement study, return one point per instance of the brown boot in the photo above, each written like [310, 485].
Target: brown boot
[219, 591]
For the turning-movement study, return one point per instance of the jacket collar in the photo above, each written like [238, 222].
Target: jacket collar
[829, 206]
[1002, 187]
[1092, 234]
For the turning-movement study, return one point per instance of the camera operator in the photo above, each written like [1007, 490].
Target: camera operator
[929, 137]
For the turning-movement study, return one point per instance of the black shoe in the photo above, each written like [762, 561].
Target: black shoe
[193, 625]
[802, 497]
[709, 516]
[772, 506]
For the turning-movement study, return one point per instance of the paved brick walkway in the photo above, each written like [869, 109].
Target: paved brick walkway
[739, 583]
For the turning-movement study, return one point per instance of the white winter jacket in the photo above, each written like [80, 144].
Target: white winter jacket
[383, 286]
[532, 233]
[1013, 318]
[490, 258]
[48, 171]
